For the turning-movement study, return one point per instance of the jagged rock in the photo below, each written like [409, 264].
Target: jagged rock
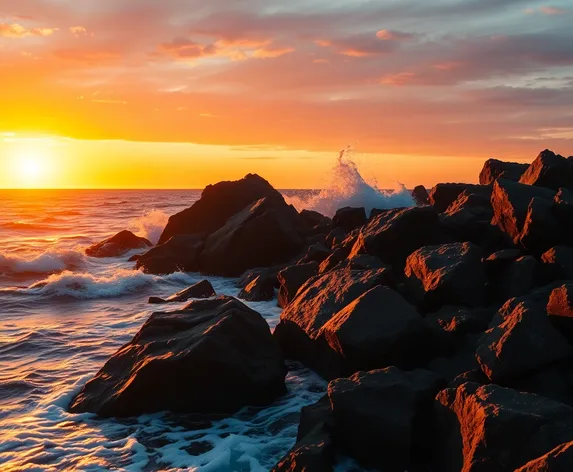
[393, 237]
[461, 320]
[118, 245]
[443, 195]
[178, 254]
[549, 170]
[387, 213]
[448, 274]
[558, 263]
[541, 230]
[217, 204]
[560, 310]
[510, 274]
[382, 417]
[335, 237]
[461, 360]
[559, 459]
[314, 220]
[202, 289]
[262, 235]
[494, 169]
[188, 361]
[316, 253]
[474, 376]
[269, 273]
[349, 218]
[563, 211]
[261, 289]
[421, 195]
[494, 429]
[292, 279]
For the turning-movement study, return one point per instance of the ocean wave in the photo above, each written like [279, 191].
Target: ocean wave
[47, 263]
[26, 226]
[348, 188]
[150, 225]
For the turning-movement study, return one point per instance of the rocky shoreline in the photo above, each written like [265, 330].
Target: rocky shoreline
[445, 329]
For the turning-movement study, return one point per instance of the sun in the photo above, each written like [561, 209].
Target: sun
[30, 166]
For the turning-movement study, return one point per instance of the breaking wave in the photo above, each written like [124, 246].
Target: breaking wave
[47, 263]
[150, 225]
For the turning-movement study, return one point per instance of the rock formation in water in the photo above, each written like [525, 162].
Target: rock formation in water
[118, 245]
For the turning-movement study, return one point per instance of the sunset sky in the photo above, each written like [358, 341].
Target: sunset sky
[181, 93]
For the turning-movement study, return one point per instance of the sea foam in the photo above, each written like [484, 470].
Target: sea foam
[150, 225]
[48, 262]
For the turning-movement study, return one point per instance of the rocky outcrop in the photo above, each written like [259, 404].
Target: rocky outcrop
[558, 263]
[494, 169]
[549, 170]
[188, 361]
[202, 289]
[217, 204]
[541, 230]
[448, 274]
[421, 195]
[263, 234]
[510, 274]
[292, 279]
[349, 218]
[118, 245]
[260, 289]
[559, 459]
[443, 195]
[178, 254]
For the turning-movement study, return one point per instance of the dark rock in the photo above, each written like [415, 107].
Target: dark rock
[494, 169]
[457, 363]
[316, 253]
[449, 274]
[541, 230]
[349, 218]
[315, 221]
[386, 213]
[558, 263]
[188, 361]
[292, 279]
[443, 195]
[118, 245]
[394, 238]
[262, 235]
[494, 429]
[382, 417]
[559, 459]
[549, 170]
[421, 195]
[475, 376]
[178, 254]
[269, 273]
[510, 274]
[563, 211]
[335, 237]
[202, 289]
[217, 204]
[260, 289]
[461, 320]
[560, 310]
[362, 262]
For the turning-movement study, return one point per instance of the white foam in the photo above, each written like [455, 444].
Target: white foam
[348, 188]
[46, 263]
[150, 225]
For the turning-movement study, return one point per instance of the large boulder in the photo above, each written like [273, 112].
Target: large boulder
[315, 222]
[559, 459]
[349, 218]
[443, 195]
[560, 310]
[563, 211]
[264, 234]
[217, 204]
[178, 254]
[448, 274]
[393, 237]
[292, 279]
[494, 429]
[421, 195]
[558, 263]
[494, 169]
[118, 245]
[382, 417]
[260, 289]
[510, 274]
[202, 289]
[188, 361]
[541, 230]
[549, 170]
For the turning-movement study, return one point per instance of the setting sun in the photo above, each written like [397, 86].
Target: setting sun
[29, 162]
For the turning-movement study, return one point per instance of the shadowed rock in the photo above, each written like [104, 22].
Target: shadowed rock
[510, 274]
[118, 245]
[558, 263]
[316, 222]
[443, 195]
[217, 204]
[541, 230]
[292, 279]
[494, 169]
[188, 361]
[560, 310]
[421, 195]
[261, 289]
[202, 289]
[178, 254]
[349, 218]
[549, 170]
[559, 459]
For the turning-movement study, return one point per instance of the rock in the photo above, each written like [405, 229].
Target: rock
[314, 220]
[392, 238]
[458, 362]
[549, 170]
[382, 417]
[494, 429]
[269, 273]
[510, 274]
[178, 254]
[510, 202]
[335, 237]
[292, 279]
[461, 320]
[202, 289]
[494, 169]
[541, 231]
[260, 289]
[474, 376]
[316, 302]
[448, 274]
[188, 361]
[262, 235]
[443, 195]
[118, 245]
[217, 204]
[563, 211]
[378, 329]
[559, 459]
[387, 213]
[524, 342]
[349, 218]
[316, 253]
[558, 263]
[560, 310]
[421, 195]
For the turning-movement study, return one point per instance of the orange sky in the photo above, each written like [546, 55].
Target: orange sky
[141, 93]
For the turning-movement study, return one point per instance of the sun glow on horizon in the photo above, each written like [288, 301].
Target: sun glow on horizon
[30, 164]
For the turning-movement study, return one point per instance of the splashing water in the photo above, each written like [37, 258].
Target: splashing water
[150, 225]
[347, 188]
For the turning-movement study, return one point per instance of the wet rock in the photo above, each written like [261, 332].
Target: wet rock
[178, 254]
[188, 361]
[559, 459]
[217, 204]
[494, 169]
[494, 429]
[558, 263]
[443, 195]
[421, 195]
[292, 279]
[202, 289]
[349, 218]
[260, 289]
[549, 170]
[448, 274]
[118, 245]
[382, 417]
[262, 235]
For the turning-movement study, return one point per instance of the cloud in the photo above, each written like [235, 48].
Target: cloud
[16, 30]
[387, 35]
[547, 10]
[80, 31]
[364, 45]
